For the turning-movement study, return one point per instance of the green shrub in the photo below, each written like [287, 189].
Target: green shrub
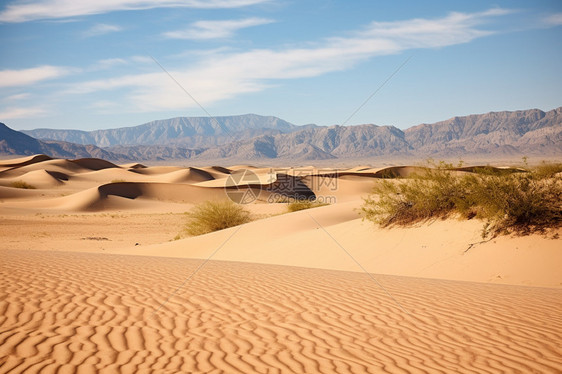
[22, 184]
[520, 202]
[303, 204]
[216, 215]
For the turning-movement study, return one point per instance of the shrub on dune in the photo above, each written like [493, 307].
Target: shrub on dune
[518, 202]
[295, 206]
[212, 216]
[22, 184]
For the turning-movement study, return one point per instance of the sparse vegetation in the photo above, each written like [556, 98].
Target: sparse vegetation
[22, 184]
[521, 202]
[216, 215]
[303, 204]
[118, 181]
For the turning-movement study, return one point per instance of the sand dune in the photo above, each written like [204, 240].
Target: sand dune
[189, 175]
[17, 193]
[39, 178]
[120, 195]
[94, 163]
[157, 170]
[107, 175]
[19, 162]
[100, 313]
[132, 165]
[217, 172]
[319, 238]
[284, 293]
[57, 165]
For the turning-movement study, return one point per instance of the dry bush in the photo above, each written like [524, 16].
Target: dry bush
[519, 202]
[297, 205]
[212, 216]
[22, 184]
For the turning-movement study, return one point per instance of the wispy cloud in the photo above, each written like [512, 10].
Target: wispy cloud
[204, 30]
[223, 75]
[13, 113]
[16, 97]
[554, 19]
[24, 77]
[101, 29]
[22, 11]
[109, 63]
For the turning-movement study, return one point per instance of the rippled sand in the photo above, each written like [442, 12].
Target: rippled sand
[78, 312]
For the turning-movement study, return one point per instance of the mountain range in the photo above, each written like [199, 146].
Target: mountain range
[254, 137]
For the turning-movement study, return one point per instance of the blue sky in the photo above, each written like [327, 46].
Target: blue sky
[95, 64]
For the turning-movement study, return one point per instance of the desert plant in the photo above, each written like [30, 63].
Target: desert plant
[520, 202]
[22, 184]
[212, 216]
[546, 170]
[303, 204]
[118, 181]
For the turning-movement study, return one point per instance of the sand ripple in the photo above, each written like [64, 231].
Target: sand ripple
[77, 312]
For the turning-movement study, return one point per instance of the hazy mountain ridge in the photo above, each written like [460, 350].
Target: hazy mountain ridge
[187, 132]
[319, 143]
[253, 137]
[13, 142]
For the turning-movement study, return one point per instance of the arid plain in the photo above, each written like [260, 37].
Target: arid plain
[99, 275]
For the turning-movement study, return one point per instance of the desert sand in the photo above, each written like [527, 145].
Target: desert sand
[98, 275]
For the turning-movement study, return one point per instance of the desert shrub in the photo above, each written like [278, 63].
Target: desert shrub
[546, 170]
[520, 202]
[22, 184]
[430, 194]
[303, 204]
[118, 181]
[215, 215]
[523, 203]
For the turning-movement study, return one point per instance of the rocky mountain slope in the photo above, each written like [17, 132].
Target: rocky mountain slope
[507, 132]
[252, 137]
[13, 142]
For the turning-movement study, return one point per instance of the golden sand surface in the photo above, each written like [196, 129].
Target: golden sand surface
[64, 311]
[99, 275]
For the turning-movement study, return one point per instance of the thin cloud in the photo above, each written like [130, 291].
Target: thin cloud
[204, 30]
[223, 75]
[109, 63]
[20, 11]
[13, 113]
[17, 97]
[101, 29]
[554, 19]
[24, 77]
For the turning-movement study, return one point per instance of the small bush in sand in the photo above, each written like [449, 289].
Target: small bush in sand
[22, 184]
[521, 202]
[118, 181]
[216, 215]
[303, 204]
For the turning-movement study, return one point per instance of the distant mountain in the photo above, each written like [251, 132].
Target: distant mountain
[318, 143]
[252, 137]
[530, 131]
[13, 142]
[186, 132]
